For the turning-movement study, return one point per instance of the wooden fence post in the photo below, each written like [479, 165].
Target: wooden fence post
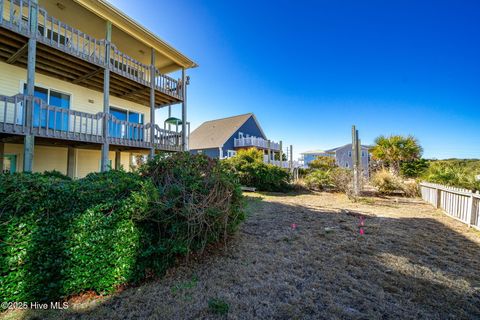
[439, 198]
[471, 211]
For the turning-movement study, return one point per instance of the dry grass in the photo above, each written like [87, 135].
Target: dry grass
[412, 263]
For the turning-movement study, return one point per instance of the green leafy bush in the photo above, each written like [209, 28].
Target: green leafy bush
[250, 170]
[61, 237]
[413, 168]
[197, 201]
[319, 180]
[456, 173]
[323, 163]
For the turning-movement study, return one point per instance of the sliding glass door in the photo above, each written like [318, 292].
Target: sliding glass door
[56, 120]
[126, 130]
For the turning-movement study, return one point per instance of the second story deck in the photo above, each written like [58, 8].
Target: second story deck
[256, 142]
[69, 54]
[56, 123]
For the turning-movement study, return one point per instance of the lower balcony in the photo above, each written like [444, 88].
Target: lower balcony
[66, 124]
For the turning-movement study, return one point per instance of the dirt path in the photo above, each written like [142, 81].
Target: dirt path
[412, 263]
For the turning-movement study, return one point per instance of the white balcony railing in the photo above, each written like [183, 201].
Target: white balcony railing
[256, 142]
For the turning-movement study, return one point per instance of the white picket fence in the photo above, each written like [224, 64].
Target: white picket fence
[461, 204]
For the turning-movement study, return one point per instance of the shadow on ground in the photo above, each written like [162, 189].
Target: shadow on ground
[408, 268]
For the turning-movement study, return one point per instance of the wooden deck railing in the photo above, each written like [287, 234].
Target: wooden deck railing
[66, 124]
[15, 15]
[461, 204]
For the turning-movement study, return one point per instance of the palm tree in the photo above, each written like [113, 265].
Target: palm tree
[392, 150]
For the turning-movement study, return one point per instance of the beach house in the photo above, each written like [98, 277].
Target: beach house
[79, 85]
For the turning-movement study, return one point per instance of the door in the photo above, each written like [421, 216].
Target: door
[9, 164]
[56, 120]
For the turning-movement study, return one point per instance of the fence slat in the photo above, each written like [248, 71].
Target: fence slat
[460, 204]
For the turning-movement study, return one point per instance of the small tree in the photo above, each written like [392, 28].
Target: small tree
[323, 163]
[395, 149]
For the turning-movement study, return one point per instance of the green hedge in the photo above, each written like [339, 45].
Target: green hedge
[251, 171]
[61, 237]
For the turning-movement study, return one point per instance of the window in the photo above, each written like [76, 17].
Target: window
[347, 165]
[350, 154]
[231, 153]
[56, 120]
[123, 130]
[363, 154]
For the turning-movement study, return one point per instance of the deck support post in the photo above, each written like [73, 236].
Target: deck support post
[2, 156]
[71, 161]
[169, 115]
[184, 112]
[291, 157]
[29, 140]
[280, 154]
[269, 152]
[106, 99]
[118, 160]
[152, 104]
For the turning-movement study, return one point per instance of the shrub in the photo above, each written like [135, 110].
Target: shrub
[61, 237]
[411, 188]
[196, 201]
[413, 168]
[323, 163]
[386, 182]
[456, 173]
[56, 174]
[336, 179]
[250, 170]
[319, 180]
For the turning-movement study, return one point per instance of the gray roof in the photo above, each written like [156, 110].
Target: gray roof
[333, 149]
[348, 145]
[214, 133]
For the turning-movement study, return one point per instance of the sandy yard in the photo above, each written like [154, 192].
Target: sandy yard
[301, 256]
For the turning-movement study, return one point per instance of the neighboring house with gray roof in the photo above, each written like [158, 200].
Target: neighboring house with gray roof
[342, 155]
[221, 138]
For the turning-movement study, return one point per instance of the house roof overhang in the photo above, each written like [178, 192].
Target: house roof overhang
[110, 13]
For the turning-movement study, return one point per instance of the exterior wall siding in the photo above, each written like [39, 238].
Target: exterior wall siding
[212, 153]
[13, 78]
[343, 157]
[249, 127]
[48, 158]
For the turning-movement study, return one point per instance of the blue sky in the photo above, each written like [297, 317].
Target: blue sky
[311, 69]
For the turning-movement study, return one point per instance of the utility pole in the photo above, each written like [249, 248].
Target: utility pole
[356, 153]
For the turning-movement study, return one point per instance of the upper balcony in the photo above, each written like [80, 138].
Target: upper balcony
[67, 53]
[256, 142]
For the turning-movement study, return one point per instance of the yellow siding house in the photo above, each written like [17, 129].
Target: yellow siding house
[79, 85]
